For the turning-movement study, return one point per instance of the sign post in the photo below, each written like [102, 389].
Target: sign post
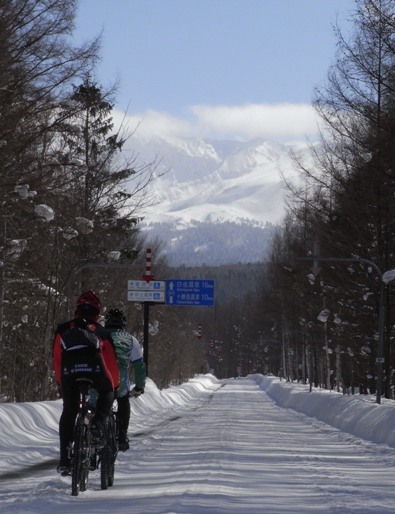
[174, 292]
[148, 291]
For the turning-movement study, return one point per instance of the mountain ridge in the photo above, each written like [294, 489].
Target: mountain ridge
[206, 182]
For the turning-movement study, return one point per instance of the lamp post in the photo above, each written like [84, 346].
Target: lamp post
[385, 278]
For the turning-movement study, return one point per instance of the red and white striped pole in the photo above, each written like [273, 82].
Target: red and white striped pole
[148, 266]
[147, 277]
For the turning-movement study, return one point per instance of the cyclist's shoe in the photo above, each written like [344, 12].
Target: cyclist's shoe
[123, 443]
[98, 434]
[64, 467]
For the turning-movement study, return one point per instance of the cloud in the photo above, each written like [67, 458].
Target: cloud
[276, 122]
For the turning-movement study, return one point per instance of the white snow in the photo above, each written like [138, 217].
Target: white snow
[248, 445]
[22, 190]
[218, 180]
[389, 276]
[85, 226]
[15, 248]
[45, 212]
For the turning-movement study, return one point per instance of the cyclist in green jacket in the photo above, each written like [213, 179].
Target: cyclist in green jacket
[130, 357]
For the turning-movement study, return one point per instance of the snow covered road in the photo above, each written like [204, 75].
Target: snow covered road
[225, 447]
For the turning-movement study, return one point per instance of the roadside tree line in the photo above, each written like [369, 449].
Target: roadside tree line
[325, 314]
[315, 320]
[70, 195]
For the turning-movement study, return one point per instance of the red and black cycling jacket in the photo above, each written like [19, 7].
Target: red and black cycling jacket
[66, 332]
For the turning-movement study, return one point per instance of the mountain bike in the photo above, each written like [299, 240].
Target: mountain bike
[81, 446]
[86, 454]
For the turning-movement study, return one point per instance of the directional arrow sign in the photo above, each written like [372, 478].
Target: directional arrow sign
[189, 292]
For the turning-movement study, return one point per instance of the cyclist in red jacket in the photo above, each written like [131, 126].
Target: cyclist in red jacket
[83, 349]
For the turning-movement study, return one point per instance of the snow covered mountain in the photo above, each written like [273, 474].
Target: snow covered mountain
[216, 202]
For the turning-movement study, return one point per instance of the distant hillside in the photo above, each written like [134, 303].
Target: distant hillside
[213, 244]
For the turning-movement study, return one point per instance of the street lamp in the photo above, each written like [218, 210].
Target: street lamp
[385, 278]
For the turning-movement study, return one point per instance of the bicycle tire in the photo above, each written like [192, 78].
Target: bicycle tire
[105, 460]
[76, 462]
[113, 447]
[104, 467]
[86, 459]
[81, 458]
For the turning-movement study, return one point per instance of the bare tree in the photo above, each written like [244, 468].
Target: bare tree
[350, 193]
[37, 66]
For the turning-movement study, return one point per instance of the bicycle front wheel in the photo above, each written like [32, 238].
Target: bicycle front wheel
[108, 454]
[113, 447]
[104, 467]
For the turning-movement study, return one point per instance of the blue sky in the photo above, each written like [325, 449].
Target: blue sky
[221, 68]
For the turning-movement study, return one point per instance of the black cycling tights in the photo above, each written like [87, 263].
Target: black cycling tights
[70, 393]
[123, 413]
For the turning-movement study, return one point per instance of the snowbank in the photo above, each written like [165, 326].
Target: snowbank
[33, 427]
[358, 415]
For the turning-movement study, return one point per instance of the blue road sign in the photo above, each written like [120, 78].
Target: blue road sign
[189, 292]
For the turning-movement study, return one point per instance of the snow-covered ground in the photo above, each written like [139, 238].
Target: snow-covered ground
[247, 445]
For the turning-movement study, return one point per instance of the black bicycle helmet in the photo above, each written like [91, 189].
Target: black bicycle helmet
[115, 318]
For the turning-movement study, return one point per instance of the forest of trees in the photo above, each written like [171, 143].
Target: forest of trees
[318, 320]
[71, 202]
[214, 244]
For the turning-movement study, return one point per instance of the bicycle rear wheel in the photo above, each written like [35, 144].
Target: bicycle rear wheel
[80, 458]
